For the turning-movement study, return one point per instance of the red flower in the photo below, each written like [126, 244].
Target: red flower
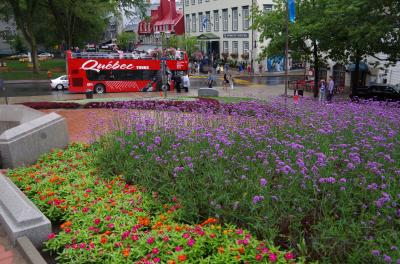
[259, 257]
[289, 256]
[51, 236]
[272, 258]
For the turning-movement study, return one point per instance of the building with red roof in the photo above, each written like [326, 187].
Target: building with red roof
[164, 19]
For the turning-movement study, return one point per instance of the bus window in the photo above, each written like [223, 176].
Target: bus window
[134, 75]
[149, 75]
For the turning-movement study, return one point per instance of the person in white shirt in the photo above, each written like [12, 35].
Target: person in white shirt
[186, 82]
[331, 87]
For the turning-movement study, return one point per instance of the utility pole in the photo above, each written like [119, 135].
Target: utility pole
[252, 39]
[287, 48]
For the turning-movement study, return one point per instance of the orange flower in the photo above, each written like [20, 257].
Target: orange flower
[103, 240]
[241, 250]
[178, 228]
[182, 258]
[66, 224]
[238, 257]
[209, 221]
[171, 262]
[125, 252]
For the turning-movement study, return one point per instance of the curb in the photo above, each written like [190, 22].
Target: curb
[29, 252]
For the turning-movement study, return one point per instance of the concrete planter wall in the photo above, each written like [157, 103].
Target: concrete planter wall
[25, 134]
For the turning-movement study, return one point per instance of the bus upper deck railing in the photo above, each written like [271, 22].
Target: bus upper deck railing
[125, 55]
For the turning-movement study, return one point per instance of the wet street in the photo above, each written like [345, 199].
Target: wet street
[41, 88]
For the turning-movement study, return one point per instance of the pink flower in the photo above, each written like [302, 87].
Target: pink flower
[51, 236]
[239, 231]
[289, 256]
[259, 257]
[272, 257]
[135, 238]
[150, 240]
[67, 230]
[155, 251]
[108, 218]
[186, 235]
[156, 260]
[82, 245]
[191, 242]
[178, 248]
[110, 226]
[165, 239]
[96, 221]
[85, 209]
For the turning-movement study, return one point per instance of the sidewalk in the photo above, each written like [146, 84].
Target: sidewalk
[8, 253]
[235, 73]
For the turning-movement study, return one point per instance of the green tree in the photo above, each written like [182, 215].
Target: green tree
[17, 44]
[306, 35]
[79, 21]
[124, 39]
[362, 28]
[341, 30]
[24, 13]
[188, 43]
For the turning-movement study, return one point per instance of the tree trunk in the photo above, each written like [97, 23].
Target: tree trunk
[316, 70]
[35, 66]
[356, 76]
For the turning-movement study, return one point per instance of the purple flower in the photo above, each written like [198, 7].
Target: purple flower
[375, 252]
[263, 182]
[157, 140]
[257, 198]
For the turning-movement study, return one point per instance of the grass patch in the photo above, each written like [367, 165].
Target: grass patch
[27, 75]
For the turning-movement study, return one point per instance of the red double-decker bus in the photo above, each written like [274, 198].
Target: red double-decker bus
[119, 72]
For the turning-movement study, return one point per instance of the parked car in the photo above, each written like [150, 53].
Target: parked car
[46, 55]
[18, 56]
[380, 91]
[59, 83]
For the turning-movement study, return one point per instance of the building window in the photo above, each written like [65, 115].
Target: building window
[225, 47]
[208, 21]
[235, 47]
[216, 20]
[186, 2]
[245, 15]
[225, 19]
[200, 22]
[246, 47]
[187, 24]
[200, 1]
[268, 8]
[193, 22]
[193, 2]
[234, 19]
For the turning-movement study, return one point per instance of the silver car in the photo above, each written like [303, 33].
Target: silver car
[59, 83]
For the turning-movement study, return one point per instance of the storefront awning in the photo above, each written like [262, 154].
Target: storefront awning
[208, 36]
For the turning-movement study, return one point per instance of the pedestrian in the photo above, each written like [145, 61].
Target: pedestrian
[210, 79]
[226, 67]
[240, 68]
[226, 81]
[198, 68]
[249, 69]
[331, 87]
[231, 81]
[186, 82]
[260, 68]
[322, 91]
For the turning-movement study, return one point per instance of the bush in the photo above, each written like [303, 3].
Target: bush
[108, 221]
[51, 105]
[320, 178]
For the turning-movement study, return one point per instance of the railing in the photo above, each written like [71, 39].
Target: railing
[124, 55]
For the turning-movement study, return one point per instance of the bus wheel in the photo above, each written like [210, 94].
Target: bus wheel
[99, 88]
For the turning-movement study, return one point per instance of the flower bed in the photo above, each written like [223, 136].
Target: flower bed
[51, 105]
[108, 221]
[321, 178]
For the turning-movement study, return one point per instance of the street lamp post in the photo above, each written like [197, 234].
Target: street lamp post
[157, 37]
[167, 35]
